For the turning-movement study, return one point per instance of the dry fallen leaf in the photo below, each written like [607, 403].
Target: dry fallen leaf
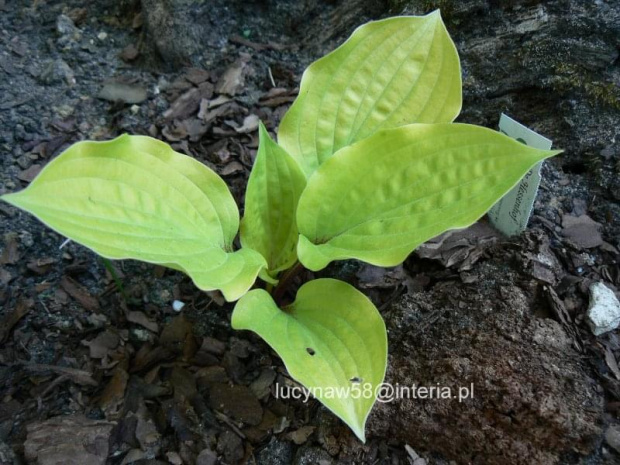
[250, 124]
[233, 79]
[187, 104]
[301, 435]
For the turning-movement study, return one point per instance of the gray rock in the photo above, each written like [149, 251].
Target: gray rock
[122, 92]
[231, 446]
[65, 26]
[312, 456]
[262, 385]
[69, 34]
[7, 456]
[206, 457]
[176, 28]
[56, 72]
[482, 343]
[275, 453]
[604, 309]
[612, 437]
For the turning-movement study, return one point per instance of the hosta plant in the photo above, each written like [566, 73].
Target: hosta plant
[368, 165]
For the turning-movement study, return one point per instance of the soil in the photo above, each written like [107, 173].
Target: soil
[98, 364]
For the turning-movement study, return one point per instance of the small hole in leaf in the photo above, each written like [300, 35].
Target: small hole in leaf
[356, 379]
[310, 350]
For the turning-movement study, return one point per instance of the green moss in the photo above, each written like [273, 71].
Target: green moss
[572, 78]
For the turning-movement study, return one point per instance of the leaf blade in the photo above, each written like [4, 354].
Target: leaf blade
[349, 342]
[275, 185]
[380, 198]
[134, 197]
[385, 75]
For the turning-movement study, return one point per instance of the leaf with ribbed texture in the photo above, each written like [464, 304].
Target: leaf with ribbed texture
[389, 73]
[271, 198]
[332, 340]
[134, 197]
[379, 199]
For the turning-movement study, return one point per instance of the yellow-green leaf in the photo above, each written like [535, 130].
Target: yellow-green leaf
[271, 198]
[379, 199]
[389, 73]
[332, 340]
[134, 197]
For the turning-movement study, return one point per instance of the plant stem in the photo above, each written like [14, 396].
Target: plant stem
[285, 281]
[119, 285]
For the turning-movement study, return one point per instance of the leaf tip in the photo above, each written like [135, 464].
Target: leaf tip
[10, 198]
[435, 13]
[359, 431]
[262, 130]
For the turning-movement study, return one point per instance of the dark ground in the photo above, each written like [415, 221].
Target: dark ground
[91, 372]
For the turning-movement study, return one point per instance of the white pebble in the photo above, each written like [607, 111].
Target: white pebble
[177, 305]
[102, 36]
[604, 309]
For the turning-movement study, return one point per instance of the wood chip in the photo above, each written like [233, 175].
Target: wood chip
[114, 393]
[582, 230]
[611, 362]
[103, 344]
[141, 319]
[10, 319]
[70, 440]
[188, 103]
[10, 254]
[80, 293]
[232, 168]
[81, 377]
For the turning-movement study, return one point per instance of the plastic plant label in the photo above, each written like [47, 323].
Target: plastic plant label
[511, 214]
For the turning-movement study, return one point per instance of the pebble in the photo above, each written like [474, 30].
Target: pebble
[24, 162]
[312, 456]
[612, 437]
[206, 457]
[177, 305]
[102, 36]
[231, 446]
[68, 33]
[57, 71]
[65, 26]
[604, 309]
[115, 91]
[277, 452]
